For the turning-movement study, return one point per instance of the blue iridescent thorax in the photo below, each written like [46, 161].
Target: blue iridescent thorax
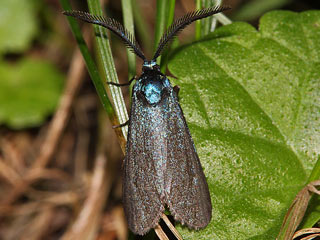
[152, 83]
[152, 91]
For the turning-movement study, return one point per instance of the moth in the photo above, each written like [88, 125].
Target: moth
[161, 167]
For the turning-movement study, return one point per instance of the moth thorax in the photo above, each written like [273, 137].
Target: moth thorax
[153, 91]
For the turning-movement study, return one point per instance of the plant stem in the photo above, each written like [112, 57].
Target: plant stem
[108, 68]
[127, 13]
[161, 21]
[91, 66]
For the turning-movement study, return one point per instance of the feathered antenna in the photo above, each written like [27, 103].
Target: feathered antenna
[179, 24]
[114, 26]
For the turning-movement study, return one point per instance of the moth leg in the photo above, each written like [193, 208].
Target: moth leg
[121, 125]
[176, 88]
[123, 84]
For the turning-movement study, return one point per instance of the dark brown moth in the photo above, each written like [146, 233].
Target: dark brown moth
[161, 166]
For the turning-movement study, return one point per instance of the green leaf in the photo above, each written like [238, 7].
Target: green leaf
[29, 92]
[18, 24]
[255, 8]
[251, 100]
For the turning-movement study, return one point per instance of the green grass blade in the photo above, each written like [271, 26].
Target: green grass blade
[142, 29]
[198, 23]
[170, 17]
[161, 21]
[91, 66]
[127, 13]
[109, 71]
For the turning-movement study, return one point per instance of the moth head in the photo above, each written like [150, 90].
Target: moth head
[150, 65]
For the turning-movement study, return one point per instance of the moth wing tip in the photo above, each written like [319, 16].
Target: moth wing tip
[191, 225]
[144, 230]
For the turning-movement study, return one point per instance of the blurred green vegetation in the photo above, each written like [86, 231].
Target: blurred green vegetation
[18, 25]
[29, 91]
[30, 86]
[255, 8]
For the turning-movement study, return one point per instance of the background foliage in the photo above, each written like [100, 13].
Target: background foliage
[250, 98]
